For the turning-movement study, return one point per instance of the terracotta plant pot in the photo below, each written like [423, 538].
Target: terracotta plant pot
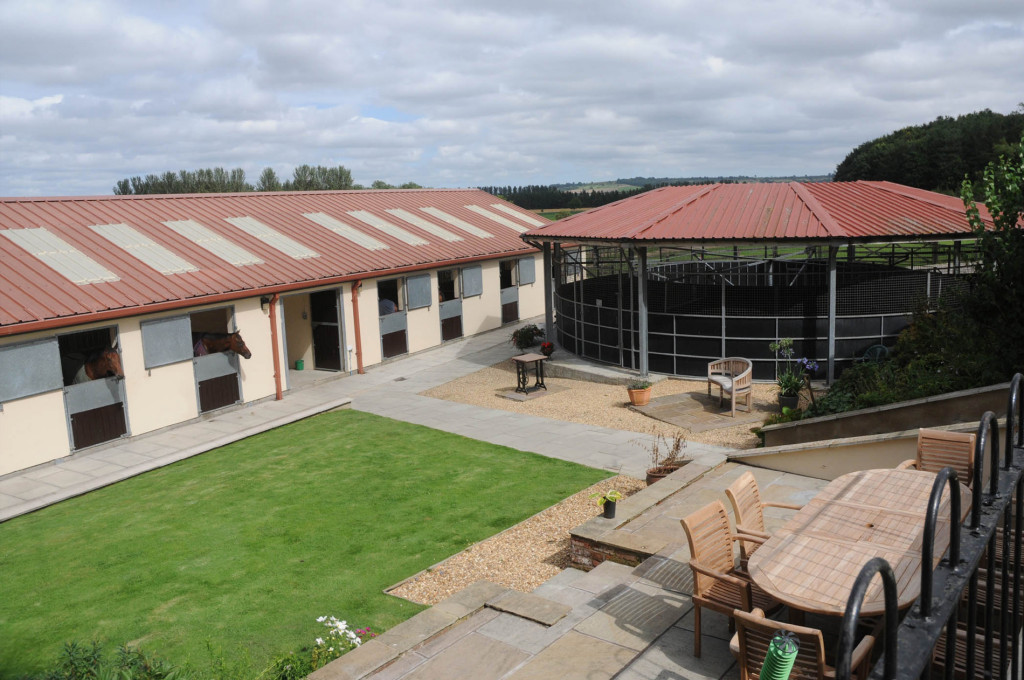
[640, 397]
[655, 474]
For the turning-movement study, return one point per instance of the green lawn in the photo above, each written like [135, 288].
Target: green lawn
[243, 547]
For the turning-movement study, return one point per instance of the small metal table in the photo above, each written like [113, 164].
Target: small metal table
[522, 365]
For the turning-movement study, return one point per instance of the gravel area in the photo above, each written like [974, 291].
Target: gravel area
[592, 403]
[528, 554]
[521, 557]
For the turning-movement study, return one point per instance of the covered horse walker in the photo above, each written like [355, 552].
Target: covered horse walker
[156, 294]
[671, 280]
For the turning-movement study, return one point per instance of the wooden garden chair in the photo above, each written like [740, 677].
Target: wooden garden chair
[734, 376]
[937, 449]
[717, 584]
[748, 509]
[754, 632]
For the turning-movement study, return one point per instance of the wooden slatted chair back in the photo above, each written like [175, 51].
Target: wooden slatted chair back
[710, 541]
[745, 498]
[937, 449]
[755, 632]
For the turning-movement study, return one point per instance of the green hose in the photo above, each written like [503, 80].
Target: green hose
[781, 656]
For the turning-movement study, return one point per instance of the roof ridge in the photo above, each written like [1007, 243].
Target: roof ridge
[704, 191]
[817, 209]
[228, 194]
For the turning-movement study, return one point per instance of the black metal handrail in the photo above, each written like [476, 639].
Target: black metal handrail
[909, 650]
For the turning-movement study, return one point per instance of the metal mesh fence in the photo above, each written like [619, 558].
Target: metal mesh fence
[705, 304]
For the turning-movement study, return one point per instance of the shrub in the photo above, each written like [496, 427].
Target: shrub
[526, 336]
[80, 662]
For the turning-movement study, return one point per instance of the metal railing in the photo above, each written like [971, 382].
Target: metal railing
[977, 578]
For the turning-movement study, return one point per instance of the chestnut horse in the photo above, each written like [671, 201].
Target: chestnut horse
[104, 364]
[209, 343]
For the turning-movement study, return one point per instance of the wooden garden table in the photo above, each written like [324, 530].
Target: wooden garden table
[811, 563]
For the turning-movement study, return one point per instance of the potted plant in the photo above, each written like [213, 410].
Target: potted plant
[607, 501]
[666, 456]
[639, 392]
[526, 336]
[792, 374]
[547, 348]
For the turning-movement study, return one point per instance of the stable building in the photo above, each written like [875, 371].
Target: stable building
[122, 315]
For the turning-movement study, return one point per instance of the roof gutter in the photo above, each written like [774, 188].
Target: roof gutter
[171, 305]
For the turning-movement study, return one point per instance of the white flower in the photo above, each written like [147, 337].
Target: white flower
[319, 641]
[321, 619]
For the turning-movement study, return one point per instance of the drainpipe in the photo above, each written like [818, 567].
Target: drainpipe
[275, 346]
[356, 285]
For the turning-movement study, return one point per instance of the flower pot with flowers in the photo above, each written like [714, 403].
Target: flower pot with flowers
[606, 501]
[547, 348]
[791, 374]
[526, 336]
[639, 392]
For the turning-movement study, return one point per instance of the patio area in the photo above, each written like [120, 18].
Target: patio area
[631, 621]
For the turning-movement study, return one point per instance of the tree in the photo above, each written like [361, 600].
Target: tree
[268, 181]
[381, 184]
[997, 296]
[319, 178]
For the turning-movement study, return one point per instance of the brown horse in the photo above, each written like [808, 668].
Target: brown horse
[104, 364]
[209, 343]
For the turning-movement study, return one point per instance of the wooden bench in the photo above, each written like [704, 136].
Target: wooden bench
[733, 377]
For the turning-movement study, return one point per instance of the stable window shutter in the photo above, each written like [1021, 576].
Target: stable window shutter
[166, 341]
[472, 281]
[418, 288]
[29, 368]
[527, 273]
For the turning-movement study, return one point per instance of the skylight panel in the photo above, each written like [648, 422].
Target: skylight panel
[388, 228]
[272, 238]
[144, 248]
[213, 242]
[456, 222]
[515, 213]
[497, 218]
[346, 231]
[60, 256]
[425, 225]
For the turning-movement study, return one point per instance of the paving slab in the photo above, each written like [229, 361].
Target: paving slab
[697, 412]
[474, 656]
[576, 657]
[671, 656]
[530, 606]
[636, 617]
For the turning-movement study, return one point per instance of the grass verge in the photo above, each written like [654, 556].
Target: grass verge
[240, 549]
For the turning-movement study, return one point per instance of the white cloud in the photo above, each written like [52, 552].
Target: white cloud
[472, 92]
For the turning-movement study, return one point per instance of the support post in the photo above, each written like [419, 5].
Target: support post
[549, 295]
[641, 273]
[833, 251]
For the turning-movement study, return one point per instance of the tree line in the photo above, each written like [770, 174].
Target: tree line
[935, 156]
[219, 180]
[537, 197]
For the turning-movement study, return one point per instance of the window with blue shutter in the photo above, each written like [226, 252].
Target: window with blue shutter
[527, 273]
[166, 341]
[472, 281]
[418, 291]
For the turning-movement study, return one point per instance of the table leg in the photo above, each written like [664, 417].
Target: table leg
[521, 378]
[539, 371]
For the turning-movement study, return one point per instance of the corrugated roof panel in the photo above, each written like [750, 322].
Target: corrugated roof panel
[60, 256]
[480, 210]
[213, 242]
[456, 222]
[274, 239]
[346, 231]
[144, 248]
[533, 221]
[369, 218]
[423, 224]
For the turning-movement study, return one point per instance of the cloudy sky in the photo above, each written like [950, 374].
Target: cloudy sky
[475, 92]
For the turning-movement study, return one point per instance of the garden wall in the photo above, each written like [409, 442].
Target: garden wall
[944, 409]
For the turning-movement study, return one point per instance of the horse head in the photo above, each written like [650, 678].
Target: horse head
[238, 345]
[106, 364]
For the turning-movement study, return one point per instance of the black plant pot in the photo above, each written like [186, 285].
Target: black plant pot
[788, 401]
[609, 509]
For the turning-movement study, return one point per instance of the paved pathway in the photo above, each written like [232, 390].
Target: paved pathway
[390, 390]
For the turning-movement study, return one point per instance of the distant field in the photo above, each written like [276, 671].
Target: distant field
[601, 186]
[558, 214]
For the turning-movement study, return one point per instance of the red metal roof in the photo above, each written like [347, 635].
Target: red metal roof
[861, 211]
[32, 291]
